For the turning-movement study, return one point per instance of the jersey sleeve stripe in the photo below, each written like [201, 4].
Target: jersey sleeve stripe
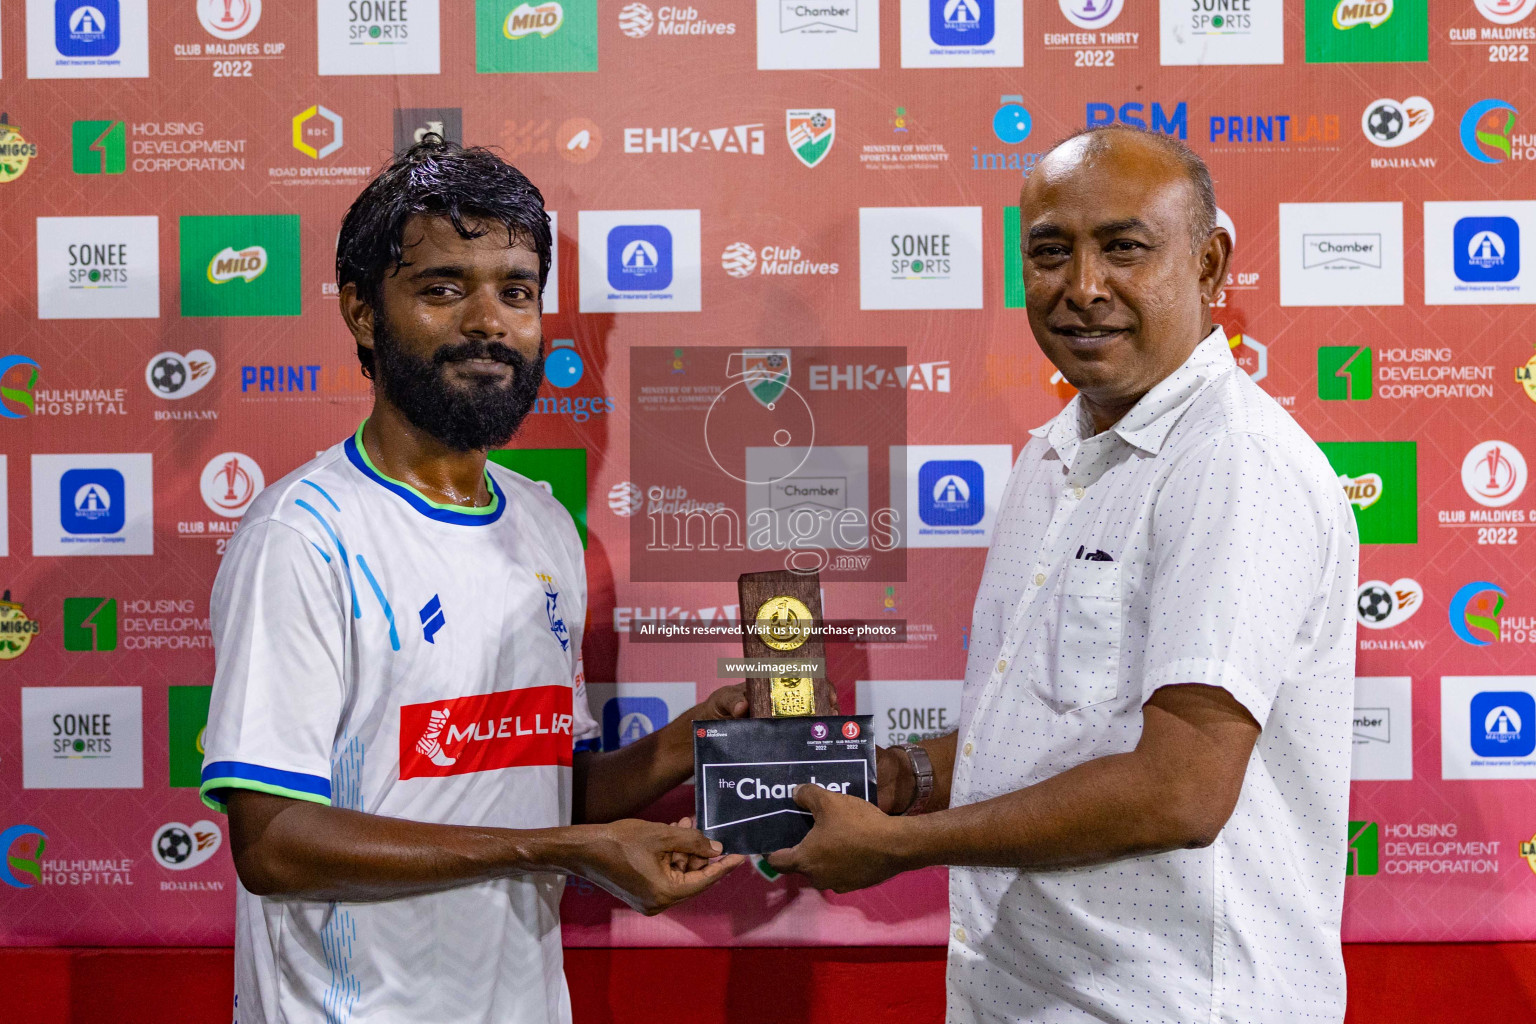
[222, 776]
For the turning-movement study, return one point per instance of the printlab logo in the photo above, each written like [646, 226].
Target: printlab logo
[90, 623]
[1382, 605]
[229, 19]
[240, 265]
[22, 848]
[1364, 849]
[811, 133]
[1389, 123]
[1344, 372]
[1486, 249]
[1367, 31]
[179, 847]
[1487, 131]
[1380, 481]
[175, 376]
[230, 482]
[1494, 474]
[559, 35]
[1477, 607]
[18, 381]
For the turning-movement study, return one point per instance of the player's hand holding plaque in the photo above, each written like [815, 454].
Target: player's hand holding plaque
[746, 770]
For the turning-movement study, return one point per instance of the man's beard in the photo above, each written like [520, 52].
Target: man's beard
[477, 414]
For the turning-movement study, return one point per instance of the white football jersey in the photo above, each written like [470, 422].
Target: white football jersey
[381, 652]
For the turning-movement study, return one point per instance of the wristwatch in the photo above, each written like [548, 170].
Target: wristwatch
[922, 772]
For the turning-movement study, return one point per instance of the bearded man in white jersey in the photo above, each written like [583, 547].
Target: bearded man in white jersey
[399, 728]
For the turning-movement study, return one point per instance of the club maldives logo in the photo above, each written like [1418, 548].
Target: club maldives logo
[230, 482]
[16, 629]
[1486, 130]
[526, 20]
[485, 732]
[16, 398]
[1494, 474]
[811, 133]
[1477, 606]
[21, 847]
[15, 151]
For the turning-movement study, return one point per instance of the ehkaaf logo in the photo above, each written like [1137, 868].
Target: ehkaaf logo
[513, 728]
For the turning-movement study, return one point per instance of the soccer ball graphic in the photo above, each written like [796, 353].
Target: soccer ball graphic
[1374, 603]
[173, 846]
[635, 20]
[1385, 122]
[168, 375]
[739, 259]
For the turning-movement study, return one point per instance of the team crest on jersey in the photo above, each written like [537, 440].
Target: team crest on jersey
[552, 607]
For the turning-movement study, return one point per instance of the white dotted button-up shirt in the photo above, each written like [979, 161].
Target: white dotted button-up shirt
[1202, 539]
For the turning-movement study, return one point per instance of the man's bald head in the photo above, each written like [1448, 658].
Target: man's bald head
[1093, 144]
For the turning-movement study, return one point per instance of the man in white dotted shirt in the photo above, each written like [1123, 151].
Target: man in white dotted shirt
[1144, 807]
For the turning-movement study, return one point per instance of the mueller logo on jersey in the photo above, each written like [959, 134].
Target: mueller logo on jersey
[511, 729]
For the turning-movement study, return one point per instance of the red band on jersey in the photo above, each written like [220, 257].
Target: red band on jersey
[515, 728]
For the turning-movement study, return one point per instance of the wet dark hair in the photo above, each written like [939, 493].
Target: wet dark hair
[435, 178]
[1202, 216]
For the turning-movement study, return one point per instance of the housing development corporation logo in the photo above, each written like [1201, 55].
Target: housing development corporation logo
[90, 623]
[1344, 372]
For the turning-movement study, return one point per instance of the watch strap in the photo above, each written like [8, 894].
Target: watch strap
[922, 774]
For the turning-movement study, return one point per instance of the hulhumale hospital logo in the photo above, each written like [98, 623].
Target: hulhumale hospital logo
[22, 847]
[18, 379]
[1486, 128]
[1477, 606]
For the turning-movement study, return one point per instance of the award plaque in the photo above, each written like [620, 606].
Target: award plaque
[747, 770]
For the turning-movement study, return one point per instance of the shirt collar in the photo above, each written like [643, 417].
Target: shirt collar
[1147, 425]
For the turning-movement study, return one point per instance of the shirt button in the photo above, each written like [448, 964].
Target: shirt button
[1002, 664]
[959, 934]
[967, 751]
[1078, 492]
[1039, 579]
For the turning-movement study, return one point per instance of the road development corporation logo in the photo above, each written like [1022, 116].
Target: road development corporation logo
[1494, 474]
[16, 629]
[1390, 123]
[639, 261]
[87, 38]
[95, 268]
[1474, 613]
[174, 376]
[229, 19]
[92, 505]
[811, 133]
[962, 33]
[1487, 131]
[21, 856]
[317, 132]
[230, 482]
[15, 151]
[179, 847]
[240, 265]
[1382, 605]
[378, 37]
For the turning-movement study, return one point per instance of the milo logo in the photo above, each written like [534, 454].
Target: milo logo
[1362, 491]
[1348, 14]
[227, 264]
[527, 20]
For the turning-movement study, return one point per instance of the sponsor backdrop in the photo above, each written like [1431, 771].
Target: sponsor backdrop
[780, 175]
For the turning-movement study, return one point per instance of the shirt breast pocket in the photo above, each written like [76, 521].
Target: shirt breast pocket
[1090, 618]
